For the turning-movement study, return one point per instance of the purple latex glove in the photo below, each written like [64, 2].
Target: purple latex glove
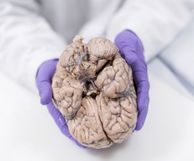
[43, 81]
[131, 49]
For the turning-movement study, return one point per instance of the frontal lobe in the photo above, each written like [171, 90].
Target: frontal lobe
[93, 89]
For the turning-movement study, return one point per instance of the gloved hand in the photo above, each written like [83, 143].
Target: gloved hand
[43, 81]
[131, 49]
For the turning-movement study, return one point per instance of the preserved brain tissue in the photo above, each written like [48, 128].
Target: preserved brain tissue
[93, 89]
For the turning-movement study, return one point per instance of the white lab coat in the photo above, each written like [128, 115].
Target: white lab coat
[32, 31]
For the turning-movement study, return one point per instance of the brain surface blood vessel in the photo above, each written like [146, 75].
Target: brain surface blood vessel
[93, 89]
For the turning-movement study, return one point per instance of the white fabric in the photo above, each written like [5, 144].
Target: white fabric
[30, 29]
[162, 72]
[155, 22]
[183, 64]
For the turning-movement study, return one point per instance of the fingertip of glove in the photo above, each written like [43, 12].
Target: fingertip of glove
[130, 58]
[45, 97]
[44, 101]
[139, 126]
[45, 93]
[143, 101]
[142, 114]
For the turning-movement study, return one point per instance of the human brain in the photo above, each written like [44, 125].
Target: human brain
[93, 89]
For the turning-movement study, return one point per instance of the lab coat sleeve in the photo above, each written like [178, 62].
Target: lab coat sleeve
[26, 40]
[156, 22]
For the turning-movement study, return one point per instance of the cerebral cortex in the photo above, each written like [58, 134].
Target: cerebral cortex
[93, 89]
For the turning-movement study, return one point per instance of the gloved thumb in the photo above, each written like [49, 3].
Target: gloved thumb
[43, 80]
[45, 93]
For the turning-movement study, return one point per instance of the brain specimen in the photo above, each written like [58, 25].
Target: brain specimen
[93, 89]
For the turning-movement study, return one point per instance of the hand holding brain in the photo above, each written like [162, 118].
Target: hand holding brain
[93, 89]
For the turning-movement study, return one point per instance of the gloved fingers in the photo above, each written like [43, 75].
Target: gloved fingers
[140, 75]
[43, 80]
[141, 118]
[142, 89]
[135, 43]
[46, 70]
[57, 116]
[128, 39]
[45, 93]
[142, 104]
[125, 39]
[130, 56]
[142, 96]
